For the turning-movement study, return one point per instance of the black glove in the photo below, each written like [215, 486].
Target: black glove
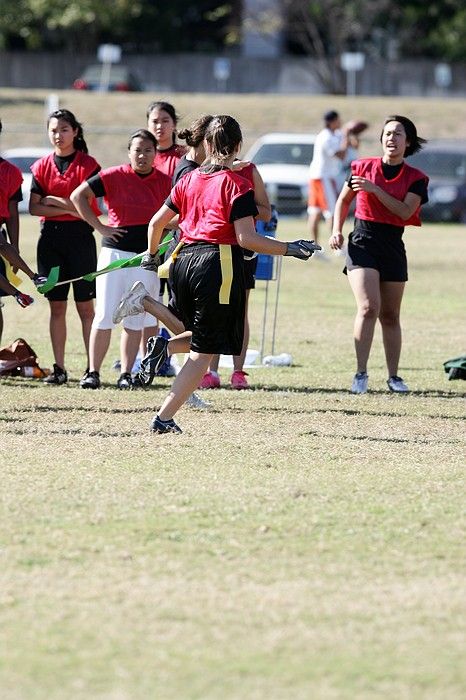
[302, 249]
[23, 299]
[39, 280]
[150, 261]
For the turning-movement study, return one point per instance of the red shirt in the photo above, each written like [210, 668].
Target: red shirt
[133, 200]
[369, 208]
[167, 160]
[204, 202]
[52, 182]
[10, 181]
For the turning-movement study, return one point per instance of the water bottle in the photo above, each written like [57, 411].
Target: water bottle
[34, 371]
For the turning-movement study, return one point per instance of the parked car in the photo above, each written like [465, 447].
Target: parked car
[283, 161]
[118, 79]
[23, 158]
[445, 164]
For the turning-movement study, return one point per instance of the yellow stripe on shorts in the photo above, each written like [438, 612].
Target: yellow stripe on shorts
[226, 266]
[10, 275]
[163, 271]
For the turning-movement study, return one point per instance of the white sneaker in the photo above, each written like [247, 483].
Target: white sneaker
[397, 385]
[131, 302]
[360, 382]
[195, 401]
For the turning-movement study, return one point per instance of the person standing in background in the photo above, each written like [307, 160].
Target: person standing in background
[132, 192]
[330, 149]
[65, 239]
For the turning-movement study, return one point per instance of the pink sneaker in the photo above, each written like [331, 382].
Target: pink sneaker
[210, 381]
[238, 380]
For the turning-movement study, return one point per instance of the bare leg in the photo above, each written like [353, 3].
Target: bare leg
[365, 283]
[185, 383]
[129, 343]
[146, 333]
[238, 360]
[57, 326]
[389, 317]
[85, 311]
[163, 314]
[1, 324]
[98, 346]
[314, 220]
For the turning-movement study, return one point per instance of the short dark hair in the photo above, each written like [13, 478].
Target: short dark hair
[330, 116]
[415, 142]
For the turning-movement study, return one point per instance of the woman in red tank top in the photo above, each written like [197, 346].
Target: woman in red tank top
[389, 194]
[66, 240]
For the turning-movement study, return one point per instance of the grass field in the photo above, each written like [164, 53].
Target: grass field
[296, 542]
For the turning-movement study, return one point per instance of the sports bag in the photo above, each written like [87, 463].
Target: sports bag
[17, 356]
[456, 368]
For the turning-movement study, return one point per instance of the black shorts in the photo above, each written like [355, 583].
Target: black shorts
[196, 279]
[2, 264]
[71, 246]
[385, 253]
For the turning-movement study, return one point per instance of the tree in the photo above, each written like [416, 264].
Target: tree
[81, 25]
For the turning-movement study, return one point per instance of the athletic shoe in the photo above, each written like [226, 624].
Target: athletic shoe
[125, 381]
[397, 385]
[164, 426]
[91, 380]
[157, 353]
[58, 376]
[238, 380]
[165, 369]
[130, 303]
[137, 384]
[360, 383]
[195, 401]
[210, 381]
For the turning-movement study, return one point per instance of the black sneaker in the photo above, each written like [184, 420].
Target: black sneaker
[125, 381]
[137, 384]
[58, 376]
[156, 354]
[90, 380]
[164, 426]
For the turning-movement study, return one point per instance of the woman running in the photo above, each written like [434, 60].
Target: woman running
[216, 217]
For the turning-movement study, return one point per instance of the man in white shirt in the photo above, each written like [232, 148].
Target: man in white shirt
[330, 149]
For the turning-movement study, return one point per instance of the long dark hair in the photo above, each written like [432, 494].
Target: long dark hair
[194, 134]
[142, 134]
[223, 136]
[68, 117]
[167, 107]
[415, 142]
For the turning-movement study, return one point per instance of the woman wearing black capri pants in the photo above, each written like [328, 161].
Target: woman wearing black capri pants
[216, 218]
[389, 194]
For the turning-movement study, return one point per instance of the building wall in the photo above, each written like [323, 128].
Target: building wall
[196, 73]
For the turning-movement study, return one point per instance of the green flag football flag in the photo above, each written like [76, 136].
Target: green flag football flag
[52, 279]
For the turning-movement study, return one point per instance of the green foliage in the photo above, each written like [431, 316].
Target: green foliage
[137, 24]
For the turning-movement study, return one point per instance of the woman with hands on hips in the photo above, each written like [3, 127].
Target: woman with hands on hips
[389, 194]
[132, 192]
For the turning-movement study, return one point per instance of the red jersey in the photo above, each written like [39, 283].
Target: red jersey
[204, 202]
[133, 200]
[369, 208]
[10, 182]
[247, 173]
[167, 160]
[52, 182]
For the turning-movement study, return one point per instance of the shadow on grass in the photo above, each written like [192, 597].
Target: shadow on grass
[427, 393]
[370, 438]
